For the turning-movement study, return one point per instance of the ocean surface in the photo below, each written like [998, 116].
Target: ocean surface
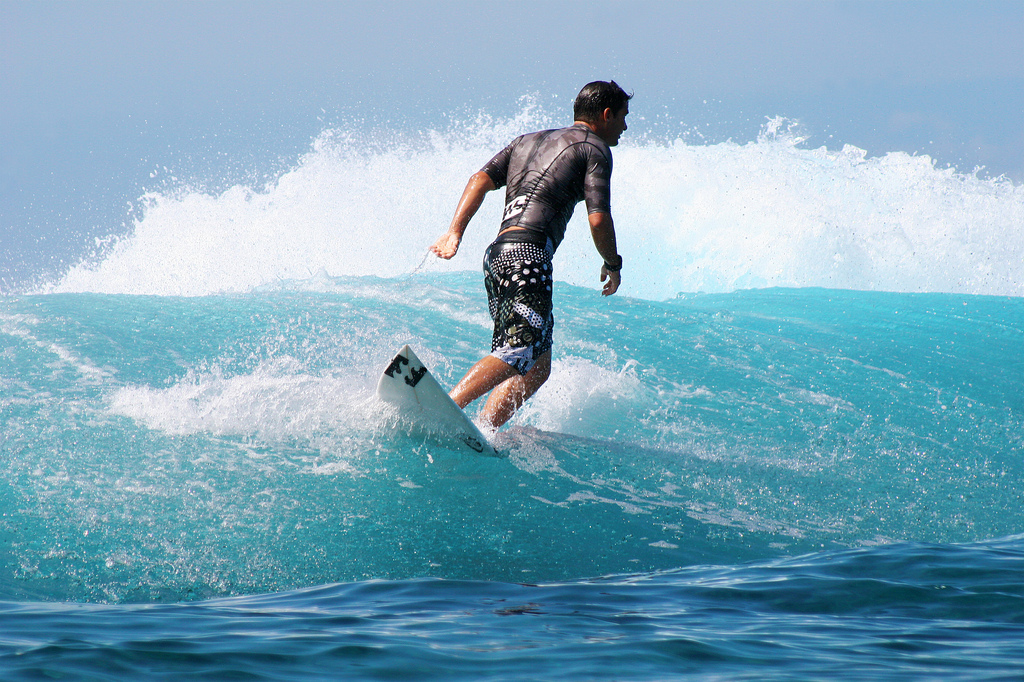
[790, 448]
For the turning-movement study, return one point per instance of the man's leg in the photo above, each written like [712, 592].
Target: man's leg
[511, 389]
[510, 395]
[517, 277]
[481, 378]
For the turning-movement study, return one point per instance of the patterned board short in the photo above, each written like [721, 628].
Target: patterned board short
[518, 279]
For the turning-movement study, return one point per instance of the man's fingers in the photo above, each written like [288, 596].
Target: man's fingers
[612, 285]
[446, 247]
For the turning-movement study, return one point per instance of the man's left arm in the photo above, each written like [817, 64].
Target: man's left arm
[602, 229]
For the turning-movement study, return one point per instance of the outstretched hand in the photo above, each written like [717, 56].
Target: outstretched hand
[611, 280]
[446, 246]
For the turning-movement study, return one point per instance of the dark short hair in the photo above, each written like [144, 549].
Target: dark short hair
[595, 97]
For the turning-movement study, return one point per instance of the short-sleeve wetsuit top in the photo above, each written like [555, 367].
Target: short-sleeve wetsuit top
[547, 174]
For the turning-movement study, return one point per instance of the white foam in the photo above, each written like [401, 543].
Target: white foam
[583, 399]
[20, 327]
[277, 402]
[690, 218]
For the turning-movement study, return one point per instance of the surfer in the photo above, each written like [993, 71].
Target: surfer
[546, 174]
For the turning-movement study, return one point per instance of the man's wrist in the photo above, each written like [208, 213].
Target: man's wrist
[613, 265]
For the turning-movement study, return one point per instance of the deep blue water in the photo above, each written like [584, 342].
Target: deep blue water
[774, 483]
[905, 611]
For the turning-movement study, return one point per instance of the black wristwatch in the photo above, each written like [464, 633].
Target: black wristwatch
[614, 267]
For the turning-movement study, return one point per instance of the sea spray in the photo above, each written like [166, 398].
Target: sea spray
[713, 218]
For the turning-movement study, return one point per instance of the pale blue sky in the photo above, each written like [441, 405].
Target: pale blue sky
[97, 94]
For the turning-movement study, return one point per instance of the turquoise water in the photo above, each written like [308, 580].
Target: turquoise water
[791, 483]
[811, 470]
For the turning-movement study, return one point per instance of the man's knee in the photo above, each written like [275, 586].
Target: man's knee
[540, 371]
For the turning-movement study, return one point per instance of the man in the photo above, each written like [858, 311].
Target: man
[547, 173]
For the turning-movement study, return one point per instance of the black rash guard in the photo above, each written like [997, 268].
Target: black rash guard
[547, 174]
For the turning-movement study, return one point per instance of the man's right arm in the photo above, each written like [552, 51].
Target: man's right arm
[478, 186]
[602, 229]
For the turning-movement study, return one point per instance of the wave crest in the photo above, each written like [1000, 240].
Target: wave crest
[713, 218]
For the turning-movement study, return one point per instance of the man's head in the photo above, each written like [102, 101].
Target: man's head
[603, 105]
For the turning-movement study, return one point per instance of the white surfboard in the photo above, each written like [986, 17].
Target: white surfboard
[407, 384]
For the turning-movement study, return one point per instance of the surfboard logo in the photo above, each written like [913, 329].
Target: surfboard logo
[415, 373]
[425, 408]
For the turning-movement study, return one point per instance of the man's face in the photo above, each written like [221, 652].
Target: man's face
[614, 125]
